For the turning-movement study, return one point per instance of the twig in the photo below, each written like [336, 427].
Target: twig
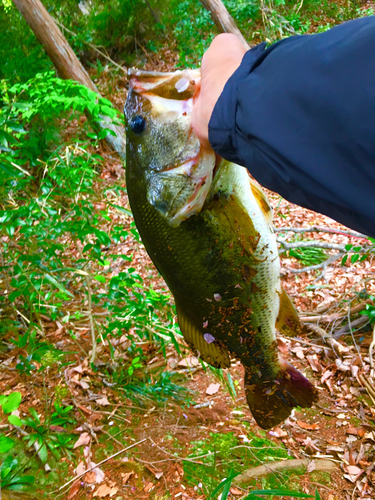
[318, 229]
[300, 7]
[371, 348]
[325, 336]
[362, 321]
[92, 46]
[100, 463]
[264, 470]
[333, 317]
[366, 384]
[351, 332]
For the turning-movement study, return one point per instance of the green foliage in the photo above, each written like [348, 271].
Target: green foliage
[309, 256]
[9, 471]
[223, 455]
[30, 118]
[358, 253]
[10, 477]
[369, 312]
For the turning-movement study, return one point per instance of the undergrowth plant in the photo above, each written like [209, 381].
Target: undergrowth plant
[58, 225]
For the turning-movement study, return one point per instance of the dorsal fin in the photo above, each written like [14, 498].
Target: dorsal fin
[287, 321]
[212, 353]
[262, 201]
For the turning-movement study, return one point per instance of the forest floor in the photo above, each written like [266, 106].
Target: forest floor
[182, 448]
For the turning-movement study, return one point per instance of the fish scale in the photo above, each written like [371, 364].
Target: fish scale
[208, 229]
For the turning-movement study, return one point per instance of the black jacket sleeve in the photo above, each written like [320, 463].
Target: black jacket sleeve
[300, 115]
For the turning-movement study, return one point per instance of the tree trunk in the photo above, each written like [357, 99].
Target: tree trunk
[223, 20]
[64, 59]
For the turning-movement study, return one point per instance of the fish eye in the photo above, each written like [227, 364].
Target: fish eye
[137, 124]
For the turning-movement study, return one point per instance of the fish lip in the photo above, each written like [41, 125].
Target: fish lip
[146, 81]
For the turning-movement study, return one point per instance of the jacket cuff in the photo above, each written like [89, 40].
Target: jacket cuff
[222, 124]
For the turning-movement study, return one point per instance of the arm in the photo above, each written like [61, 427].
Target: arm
[218, 64]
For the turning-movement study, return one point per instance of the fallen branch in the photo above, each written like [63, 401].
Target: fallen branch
[264, 470]
[311, 244]
[333, 317]
[318, 229]
[323, 266]
[325, 336]
[362, 321]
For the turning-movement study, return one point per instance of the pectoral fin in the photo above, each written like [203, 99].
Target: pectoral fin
[212, 353]
[287, 321]
[262, 201]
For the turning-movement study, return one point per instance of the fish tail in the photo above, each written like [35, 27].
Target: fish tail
[271, 402]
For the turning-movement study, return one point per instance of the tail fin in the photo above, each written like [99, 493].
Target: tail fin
[271, 402]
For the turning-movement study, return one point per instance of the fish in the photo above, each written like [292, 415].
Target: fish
[207, 227]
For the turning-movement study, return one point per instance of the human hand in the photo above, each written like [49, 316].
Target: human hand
[219, 62]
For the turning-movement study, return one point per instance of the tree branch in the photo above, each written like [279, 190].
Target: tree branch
[222, 19]
[311, 244]
[319, 229]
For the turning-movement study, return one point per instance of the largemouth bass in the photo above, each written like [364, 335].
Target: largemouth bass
[208, 229]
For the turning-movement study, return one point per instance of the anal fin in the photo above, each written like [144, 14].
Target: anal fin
[287, 321]
[213, 353]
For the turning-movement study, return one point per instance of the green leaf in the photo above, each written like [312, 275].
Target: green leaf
[58, 285]
[17, 127]
[43, 453]
[34, 414]
[224, 482]
[344, 259]
[12, 402]
[6, 444]
[102, 279]
[278, 493]
[355, 257]
[14, 420]
[348, 247]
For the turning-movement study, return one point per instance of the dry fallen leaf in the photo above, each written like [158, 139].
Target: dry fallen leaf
[298, 351]
[314, 363]
[190, 362]
[105, 491]
[310, 427]
[125, 476]
[148, 487]
[235, 491]
[102, 401]
[83, 440]
[352, 430]
[311, 466]
[277, 432]
[74, 489]
[212, 389]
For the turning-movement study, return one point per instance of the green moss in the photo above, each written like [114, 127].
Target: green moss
[321, 477]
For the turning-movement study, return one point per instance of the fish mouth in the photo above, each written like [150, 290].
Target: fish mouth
[179, 189]
[177, 85]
